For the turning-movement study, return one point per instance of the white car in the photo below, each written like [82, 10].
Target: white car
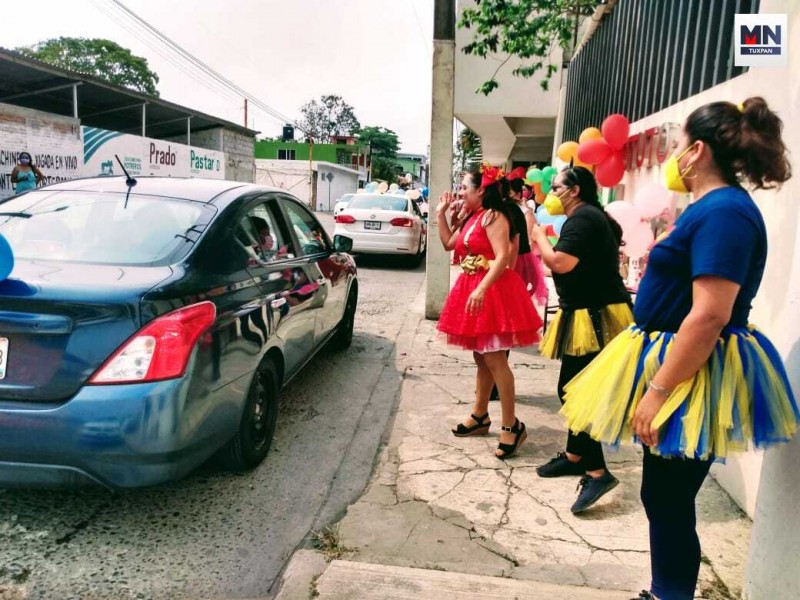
[342, 203]
[383, 224]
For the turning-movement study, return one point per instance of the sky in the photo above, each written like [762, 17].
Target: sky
[376, 54]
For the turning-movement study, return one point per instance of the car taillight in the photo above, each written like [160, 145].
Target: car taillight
[160, 350]
[345, 219]
[402, 222]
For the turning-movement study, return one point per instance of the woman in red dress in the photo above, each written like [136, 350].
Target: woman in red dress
[488, 311]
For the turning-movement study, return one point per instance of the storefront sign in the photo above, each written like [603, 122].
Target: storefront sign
[650, 147]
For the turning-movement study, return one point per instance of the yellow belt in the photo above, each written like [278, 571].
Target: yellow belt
[472, 263]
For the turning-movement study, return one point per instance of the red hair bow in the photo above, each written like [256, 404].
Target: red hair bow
[518, 173]
[490, 175]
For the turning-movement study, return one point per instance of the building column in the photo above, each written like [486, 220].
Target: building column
[441, 175]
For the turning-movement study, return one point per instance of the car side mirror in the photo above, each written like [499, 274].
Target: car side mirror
[342, 243]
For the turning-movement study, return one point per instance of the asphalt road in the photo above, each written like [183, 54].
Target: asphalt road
[216, 534]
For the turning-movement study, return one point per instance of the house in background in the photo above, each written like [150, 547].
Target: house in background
[417, 165]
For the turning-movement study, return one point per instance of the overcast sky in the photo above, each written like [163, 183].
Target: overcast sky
[374, 53]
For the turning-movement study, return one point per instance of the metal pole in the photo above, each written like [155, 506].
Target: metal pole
[312, 201]
[75, 101]
[144, 120]
[442, 108]
[188, 131]
[245, 112]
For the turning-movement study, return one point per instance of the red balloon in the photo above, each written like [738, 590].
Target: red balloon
[609, 173]
[615, 131]
[594, 152]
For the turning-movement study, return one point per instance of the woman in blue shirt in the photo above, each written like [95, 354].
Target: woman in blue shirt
[25, 176]
[692, 380]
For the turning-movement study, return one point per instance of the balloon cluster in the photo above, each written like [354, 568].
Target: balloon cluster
[650, 202]
[603, 149]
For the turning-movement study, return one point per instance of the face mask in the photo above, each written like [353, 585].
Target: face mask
[553, 205]
[673, 177]
[24, 161]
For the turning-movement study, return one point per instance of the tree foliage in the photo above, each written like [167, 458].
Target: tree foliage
[527, 29]
[384, 145]
[328, 117]
[101, 58]
[467, 151]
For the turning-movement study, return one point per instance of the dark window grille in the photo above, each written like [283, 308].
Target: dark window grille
[649, 54]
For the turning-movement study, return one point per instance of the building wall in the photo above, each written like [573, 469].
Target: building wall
[240, 152]
[53, 141]
[775, 309]
[293, 176]
[268, 149]
[345, 181]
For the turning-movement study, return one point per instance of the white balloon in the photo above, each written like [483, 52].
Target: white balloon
[652, 200]
[383, 187]
[393, 187]
[637, 240]
[624, 213]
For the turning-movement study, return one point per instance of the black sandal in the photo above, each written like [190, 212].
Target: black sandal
[521, 433]
[480, 428]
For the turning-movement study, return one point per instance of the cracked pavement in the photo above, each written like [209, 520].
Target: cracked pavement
[440, 502]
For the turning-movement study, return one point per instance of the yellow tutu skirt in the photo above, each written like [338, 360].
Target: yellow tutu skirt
[741, 396]
[584, 331]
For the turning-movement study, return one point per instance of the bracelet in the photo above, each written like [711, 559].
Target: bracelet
[662, 391]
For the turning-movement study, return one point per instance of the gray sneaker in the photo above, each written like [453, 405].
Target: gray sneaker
[592, 489]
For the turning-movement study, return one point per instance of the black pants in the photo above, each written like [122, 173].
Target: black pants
[669, 488]
[590, 451]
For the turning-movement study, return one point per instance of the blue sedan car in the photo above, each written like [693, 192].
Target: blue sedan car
[146, 328]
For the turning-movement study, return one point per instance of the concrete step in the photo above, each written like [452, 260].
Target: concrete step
[345, 580]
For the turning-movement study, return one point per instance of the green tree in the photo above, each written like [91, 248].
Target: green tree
[527, 29]
[467, 151]
[329, 117]
[384, 145]
[101, 58]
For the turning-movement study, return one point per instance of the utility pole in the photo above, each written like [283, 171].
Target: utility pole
[245, 112]
[437, 276]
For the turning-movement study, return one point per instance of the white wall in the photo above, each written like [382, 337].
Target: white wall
[345, 181]
[292, 176]
[53, 141]
[775, 309]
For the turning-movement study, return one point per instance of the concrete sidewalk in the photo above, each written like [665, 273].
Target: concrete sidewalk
[441, 503]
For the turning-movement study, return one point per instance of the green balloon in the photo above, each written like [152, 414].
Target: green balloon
[549, 172]
[535, 175]
[546, 183]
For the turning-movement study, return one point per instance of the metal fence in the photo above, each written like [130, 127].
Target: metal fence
[649, 54]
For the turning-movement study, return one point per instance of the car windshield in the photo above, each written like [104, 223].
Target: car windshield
[346, 198]
[379, 203]
[99, 227]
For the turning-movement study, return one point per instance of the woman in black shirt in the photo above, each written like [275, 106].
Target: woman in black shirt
[594, 307]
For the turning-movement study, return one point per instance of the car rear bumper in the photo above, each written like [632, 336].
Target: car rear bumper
[117, 435]
[404, 242]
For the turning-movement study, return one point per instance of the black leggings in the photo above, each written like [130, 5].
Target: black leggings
[581, 444]
[669, 488]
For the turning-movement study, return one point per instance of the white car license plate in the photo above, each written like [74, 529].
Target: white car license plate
[3, 357]
[372, 225]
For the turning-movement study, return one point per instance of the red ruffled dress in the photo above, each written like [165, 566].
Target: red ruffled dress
[507, 318]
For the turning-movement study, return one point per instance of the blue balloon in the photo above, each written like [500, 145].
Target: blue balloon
[6, 258]
[425, 192]
[544, 217]
[559, 223]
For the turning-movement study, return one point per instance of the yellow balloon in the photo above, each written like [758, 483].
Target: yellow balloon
[567, 151]
[579, 163]
[590, 133]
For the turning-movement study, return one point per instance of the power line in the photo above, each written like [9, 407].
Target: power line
[216, 77]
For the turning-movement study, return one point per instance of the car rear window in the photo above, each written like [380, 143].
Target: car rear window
[379, 203]
[100, 227]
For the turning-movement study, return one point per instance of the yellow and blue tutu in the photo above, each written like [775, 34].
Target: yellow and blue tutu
[584, 331]
[740, 397]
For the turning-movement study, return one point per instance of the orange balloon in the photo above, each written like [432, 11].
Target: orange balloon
[590, 133]
[567, 151]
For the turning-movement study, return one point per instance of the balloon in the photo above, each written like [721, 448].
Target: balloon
[549, 172]
[393, 187]
[609, 173]
[546, 185]
[361, 191]
[652, 200]
[615, 131]
[382, 187]
[626, 214]
[534, 175]
[558, 224]
[637, 240]
[543, 217]
[590, 133]
[371, 187]
[6, 258]
[567, 151]
[594, 152]
[425, 192]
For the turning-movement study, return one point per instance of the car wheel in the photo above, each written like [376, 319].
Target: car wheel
[343, 337]
[251, 443]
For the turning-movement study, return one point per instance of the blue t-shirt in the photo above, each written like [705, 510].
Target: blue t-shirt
[721, 235]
